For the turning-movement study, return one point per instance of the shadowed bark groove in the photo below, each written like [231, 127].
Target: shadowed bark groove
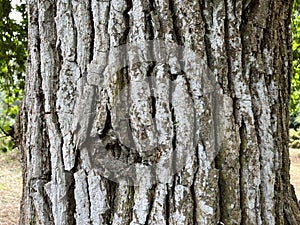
[232, 118]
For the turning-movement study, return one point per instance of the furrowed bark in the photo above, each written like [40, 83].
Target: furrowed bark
[228, 127]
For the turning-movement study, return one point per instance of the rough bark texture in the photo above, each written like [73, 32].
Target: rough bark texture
[247, 46]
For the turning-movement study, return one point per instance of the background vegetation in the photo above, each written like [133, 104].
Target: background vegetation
[295, 88]
[13, 54]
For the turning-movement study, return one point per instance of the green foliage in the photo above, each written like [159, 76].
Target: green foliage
[295, 86]
[294, 138]
[13, 54]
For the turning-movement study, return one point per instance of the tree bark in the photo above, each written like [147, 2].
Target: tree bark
[98, 99]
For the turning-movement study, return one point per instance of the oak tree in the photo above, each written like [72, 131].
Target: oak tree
[157, 112]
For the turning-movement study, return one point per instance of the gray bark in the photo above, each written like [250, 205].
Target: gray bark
[233, 123]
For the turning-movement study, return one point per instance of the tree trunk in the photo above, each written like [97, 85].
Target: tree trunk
[157, 112]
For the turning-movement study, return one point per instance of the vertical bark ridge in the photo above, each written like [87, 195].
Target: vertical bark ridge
[83, 207]
[83, 25]
[98, 199]
[123, 213]
[35, 204]
[49, 77]
[259, 101]
[233, 55]
[219, 50]
[262, 117]
[291, 204]
[27, 205]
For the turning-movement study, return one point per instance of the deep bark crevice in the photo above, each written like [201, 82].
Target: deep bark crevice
[176, 29]
[129, 5]
[88, 196]
[92, 37]
[167, 205]
[228, 53]
[148, 23]
[174, 140]
[151, 198]
[107, 125]
[193, 189]
[208, 49]
[152, 84]
[112, 190]
[243, 147]
[75, 30]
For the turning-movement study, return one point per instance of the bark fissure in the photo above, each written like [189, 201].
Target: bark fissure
[34, 195]
[89, 199]
[124, 38]
[228, 54]
[149, 27]
[174, 140]
[193, 188]
[176, 29]
[242, 160]
[151, 197]
[71, 10]
[150, 76]
[167, 205]
[112, 189]
[92, 37]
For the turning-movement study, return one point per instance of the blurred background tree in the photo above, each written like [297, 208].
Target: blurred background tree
[13, 54]
[295, 83]
[295, 88]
